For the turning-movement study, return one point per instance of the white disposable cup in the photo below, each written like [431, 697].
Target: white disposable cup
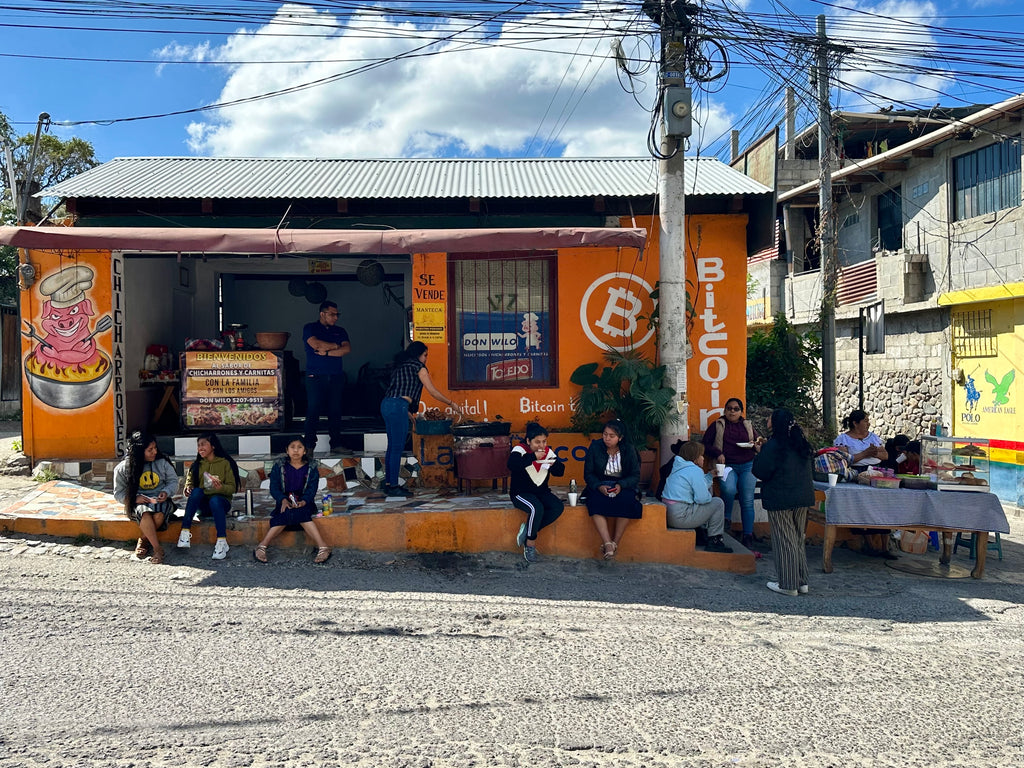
[833, 478]
[719, 470]
[573, 498]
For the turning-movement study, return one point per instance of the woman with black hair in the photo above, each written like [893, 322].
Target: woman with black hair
[294, 481]
[530, 465]
[783, 466]
[735, 438]
[401, 401]
[863, 445]
[209, 486]
[144, 482]
[612, 473]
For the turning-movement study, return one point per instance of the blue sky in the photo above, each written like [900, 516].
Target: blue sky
[540, 83]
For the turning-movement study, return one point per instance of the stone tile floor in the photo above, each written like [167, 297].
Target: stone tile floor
[70, 500]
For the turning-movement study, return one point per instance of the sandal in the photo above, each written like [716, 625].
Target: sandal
[142, 548]
[260, 554]
[157, 558]
[609, 554]
[323, 554]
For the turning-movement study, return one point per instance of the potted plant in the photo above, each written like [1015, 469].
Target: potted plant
[631, 388]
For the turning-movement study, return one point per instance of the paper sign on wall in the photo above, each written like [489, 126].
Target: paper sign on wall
[429, 322]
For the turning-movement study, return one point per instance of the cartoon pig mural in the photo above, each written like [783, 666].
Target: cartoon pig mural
[68, 340]
[67, 369]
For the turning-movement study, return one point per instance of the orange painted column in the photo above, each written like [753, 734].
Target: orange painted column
[72, 355]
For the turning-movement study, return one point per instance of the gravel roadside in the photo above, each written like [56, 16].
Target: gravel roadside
[450, 660]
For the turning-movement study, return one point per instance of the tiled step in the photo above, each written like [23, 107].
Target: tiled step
[431, 521]
[336, 472]
[274, 444]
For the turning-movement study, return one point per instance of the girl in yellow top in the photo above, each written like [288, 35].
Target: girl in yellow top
[209, 486]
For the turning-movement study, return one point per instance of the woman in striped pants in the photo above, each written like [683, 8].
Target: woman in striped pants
[787, 489]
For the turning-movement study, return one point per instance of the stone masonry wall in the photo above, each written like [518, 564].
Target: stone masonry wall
[907, 387]
[897, 402]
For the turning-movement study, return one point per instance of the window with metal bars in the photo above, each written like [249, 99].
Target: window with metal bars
[503, 311]
[973, 335]
[987, 179]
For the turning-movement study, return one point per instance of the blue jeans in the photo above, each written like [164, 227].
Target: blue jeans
[741, 482]
[395, 411]
[216, 505]
[323, 395]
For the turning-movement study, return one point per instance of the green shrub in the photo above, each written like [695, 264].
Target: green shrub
[782, 372]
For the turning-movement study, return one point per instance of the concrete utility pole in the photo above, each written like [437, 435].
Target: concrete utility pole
[675, 127]
[22, 203]
[826, 235]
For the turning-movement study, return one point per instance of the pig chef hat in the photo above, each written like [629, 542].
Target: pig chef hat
[67, 287]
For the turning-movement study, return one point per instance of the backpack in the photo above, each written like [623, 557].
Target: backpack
[833, 461]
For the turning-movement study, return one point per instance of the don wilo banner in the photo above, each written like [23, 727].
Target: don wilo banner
[71, 353]
[231, 389]
[504, 346]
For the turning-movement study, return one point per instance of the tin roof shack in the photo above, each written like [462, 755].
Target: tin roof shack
[514, 272]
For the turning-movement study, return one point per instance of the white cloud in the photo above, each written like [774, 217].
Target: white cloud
[891, 26]
[178, 52]
[556, 95]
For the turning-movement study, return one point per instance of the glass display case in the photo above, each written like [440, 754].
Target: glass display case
[956, 463]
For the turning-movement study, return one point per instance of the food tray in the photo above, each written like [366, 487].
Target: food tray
[915, 482]
[959, 487]
[885, 482]
[482, 429]
[433, 426]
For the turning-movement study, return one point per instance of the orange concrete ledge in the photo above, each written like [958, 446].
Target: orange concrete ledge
[647, 540]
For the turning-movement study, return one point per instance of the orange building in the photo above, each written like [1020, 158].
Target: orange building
[511, 293]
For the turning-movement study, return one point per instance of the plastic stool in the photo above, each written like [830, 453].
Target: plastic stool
[967, 540]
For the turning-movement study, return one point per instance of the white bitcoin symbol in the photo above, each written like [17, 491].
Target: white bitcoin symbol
[624, 301]
[614, 307]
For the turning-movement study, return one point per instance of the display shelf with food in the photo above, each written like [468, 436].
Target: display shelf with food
[956, 463]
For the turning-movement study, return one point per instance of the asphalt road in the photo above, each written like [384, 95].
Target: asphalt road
[384, 660]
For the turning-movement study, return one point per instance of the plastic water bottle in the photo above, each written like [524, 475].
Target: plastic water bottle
[572, 486]
[327, 505]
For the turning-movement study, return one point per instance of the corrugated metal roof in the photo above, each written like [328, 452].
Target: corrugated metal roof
[297, 178]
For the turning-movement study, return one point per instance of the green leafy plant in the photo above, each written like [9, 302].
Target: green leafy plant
[45, 476]
[629, 387]
[782, 372]
[16, 445]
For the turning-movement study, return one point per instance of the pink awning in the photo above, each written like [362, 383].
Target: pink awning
[328, 241]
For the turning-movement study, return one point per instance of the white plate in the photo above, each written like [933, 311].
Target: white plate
[744, 445]
[869, 461]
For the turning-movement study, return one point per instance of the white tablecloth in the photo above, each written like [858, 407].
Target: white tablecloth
[852, 504]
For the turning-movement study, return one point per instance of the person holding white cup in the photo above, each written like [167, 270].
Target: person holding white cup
[530, 465]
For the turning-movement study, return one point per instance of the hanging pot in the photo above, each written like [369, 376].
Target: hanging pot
[316, 293]
[297, 286]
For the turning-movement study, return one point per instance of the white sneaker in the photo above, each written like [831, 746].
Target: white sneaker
[185, 539]
[774, 587]
[521, 536]
[803, 589]
[220, 549]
